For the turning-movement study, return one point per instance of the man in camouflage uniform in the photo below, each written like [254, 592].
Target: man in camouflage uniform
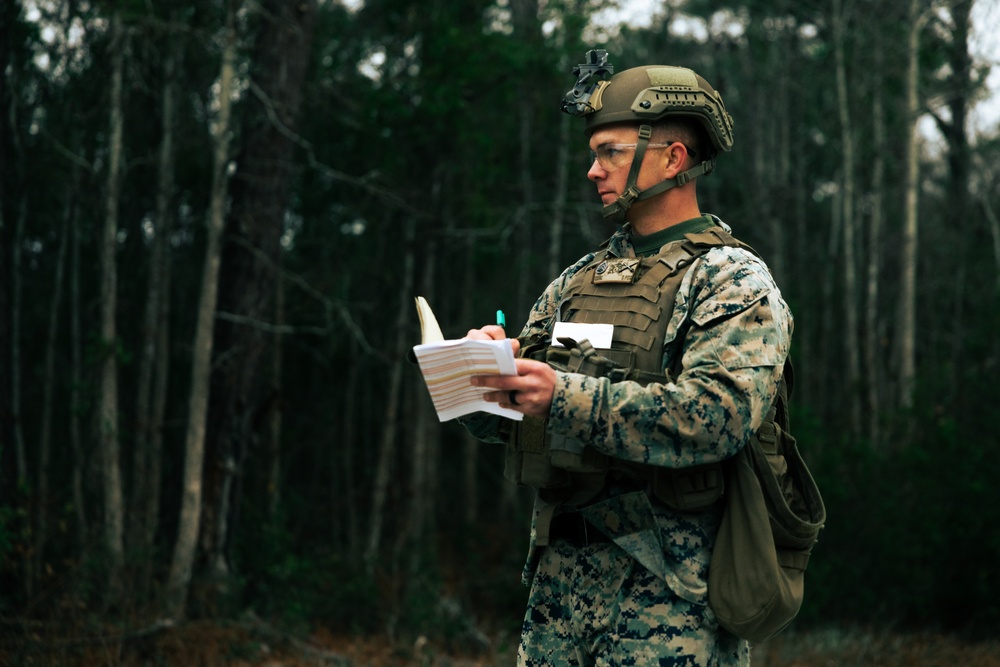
[617, 576]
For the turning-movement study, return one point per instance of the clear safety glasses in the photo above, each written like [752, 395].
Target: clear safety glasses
[615, 156]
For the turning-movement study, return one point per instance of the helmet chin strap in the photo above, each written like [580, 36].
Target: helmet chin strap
[615, 211]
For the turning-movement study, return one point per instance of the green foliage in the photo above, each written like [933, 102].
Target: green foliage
[910, 538]
[301, 587]
[11, 534]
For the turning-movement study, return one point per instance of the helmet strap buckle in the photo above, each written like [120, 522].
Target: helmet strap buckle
[630, 195]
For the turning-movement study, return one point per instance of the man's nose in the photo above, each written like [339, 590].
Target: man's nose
[596, 171]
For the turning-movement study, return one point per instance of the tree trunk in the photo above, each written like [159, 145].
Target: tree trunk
[49, 380]
[956, 135]
[470, 446]
[908, 291]
[111, 478]
[21, 498]
[143, 464]
[994, 223]
[8, 479]
[872, 344]
[781, 169]
[17, 428]
[349, 492]
[240, 397]
[853, 375]
[181, 566]
[426, 431]
[274, 439]
[801, 267]
[75, 401]
[393, 401]
[555, 264]
[420, 493]
[828, 329]
[158, 410]
[146, 451]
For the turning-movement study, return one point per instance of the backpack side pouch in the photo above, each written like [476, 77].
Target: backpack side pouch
[772, 519]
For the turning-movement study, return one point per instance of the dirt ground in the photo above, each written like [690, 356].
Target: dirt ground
[814, 649]
[254, 644]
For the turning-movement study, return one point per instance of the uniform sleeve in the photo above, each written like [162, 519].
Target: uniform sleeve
[735, 331]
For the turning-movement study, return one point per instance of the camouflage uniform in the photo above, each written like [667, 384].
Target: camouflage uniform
[594, 604]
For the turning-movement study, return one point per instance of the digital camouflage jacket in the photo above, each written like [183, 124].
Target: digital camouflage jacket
[729, 336]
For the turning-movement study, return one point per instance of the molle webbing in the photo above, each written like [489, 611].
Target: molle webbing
[636, 296]
[640, 310]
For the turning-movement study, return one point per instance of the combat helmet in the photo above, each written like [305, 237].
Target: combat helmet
[645, 95]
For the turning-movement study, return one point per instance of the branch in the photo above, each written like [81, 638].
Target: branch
[332, 173]
[943, 125]
[67, 153]
[330, 305]
[268, 327]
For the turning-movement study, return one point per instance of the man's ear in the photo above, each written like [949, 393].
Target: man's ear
[674, 159]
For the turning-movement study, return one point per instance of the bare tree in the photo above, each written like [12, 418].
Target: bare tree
[240, 397]
[874, 244]
[847, 218]
[194, 447]
[393, 401]
[274, 435]
[76, 382]
[8, 17]
[146, 453]
[17, 427]
[111, 478]
[955, 131]
[49, 379]
[908, 292]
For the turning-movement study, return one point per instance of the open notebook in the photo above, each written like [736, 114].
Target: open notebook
[448, 365]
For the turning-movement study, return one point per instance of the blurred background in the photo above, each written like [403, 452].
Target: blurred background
[214, 218]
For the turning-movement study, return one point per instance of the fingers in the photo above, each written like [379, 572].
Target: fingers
[489, 332]
[530, 391]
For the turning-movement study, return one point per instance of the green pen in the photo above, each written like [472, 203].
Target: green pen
[501, 320]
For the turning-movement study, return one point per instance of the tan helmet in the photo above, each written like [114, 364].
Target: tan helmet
[643, 95]
[646, 94]
[649, 93]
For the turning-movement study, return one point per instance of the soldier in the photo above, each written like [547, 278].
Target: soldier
[623, 439]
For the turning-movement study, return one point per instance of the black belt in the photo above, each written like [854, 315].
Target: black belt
[573, 528]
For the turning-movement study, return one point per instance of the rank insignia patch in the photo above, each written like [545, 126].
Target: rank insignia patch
[616, 270]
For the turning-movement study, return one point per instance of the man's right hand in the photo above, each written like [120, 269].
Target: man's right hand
[493, 332]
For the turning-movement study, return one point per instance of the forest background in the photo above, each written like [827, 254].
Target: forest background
[215, 214]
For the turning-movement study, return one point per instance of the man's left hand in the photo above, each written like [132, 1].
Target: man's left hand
[529, 392]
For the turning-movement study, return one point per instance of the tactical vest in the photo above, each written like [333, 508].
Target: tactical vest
[637, 296]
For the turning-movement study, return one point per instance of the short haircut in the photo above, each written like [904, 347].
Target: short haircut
[686, 130]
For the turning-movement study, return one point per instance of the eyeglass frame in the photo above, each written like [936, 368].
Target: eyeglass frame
[595, 154]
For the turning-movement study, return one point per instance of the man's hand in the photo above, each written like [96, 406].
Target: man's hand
[530, 391]
[493, 332]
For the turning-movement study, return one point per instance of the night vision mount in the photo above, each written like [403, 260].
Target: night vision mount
[590, 75]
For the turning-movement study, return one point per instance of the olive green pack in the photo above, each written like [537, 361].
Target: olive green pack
[773, 517]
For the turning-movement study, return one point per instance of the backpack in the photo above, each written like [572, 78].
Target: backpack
[774, 513]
